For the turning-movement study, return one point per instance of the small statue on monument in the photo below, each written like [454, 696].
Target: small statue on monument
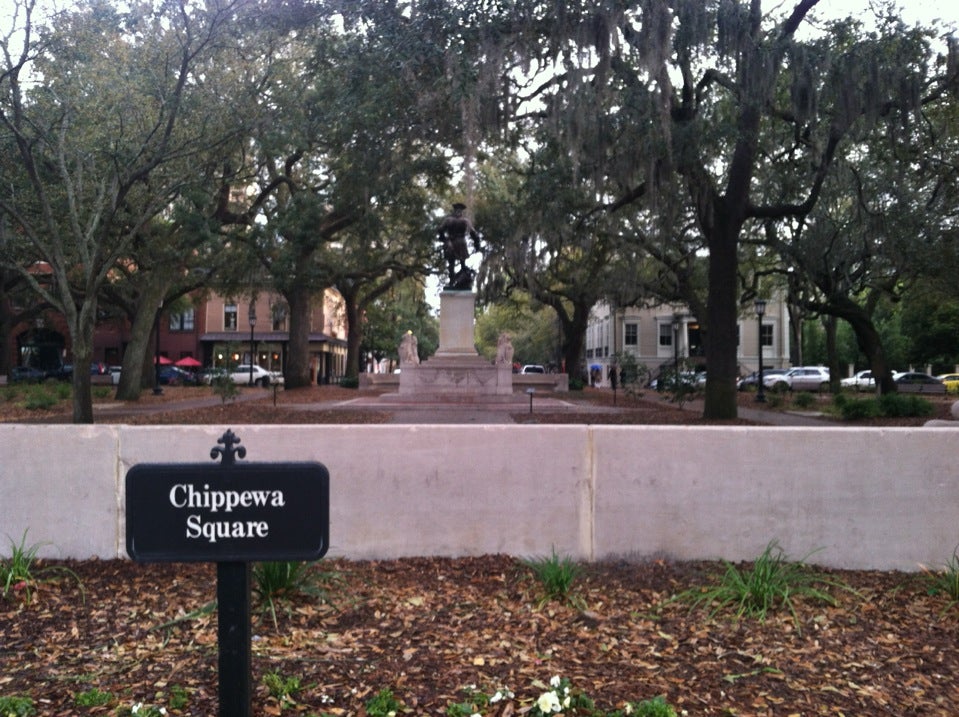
[504, 349]
[409, 353]
[452, 235]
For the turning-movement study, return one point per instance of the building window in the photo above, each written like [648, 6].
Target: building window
[229, 317]
[665, 334]
[631, 335]
[766, 335]
[182, 321]
[279, 317]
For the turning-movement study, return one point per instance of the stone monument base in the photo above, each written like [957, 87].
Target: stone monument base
[456, 372]
[458, 378]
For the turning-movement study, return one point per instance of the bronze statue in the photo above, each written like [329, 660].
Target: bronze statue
[452, 235]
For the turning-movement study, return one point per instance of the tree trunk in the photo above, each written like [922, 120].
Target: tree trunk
[138, 357]
[721, 322]
[297, 370]
[82, 357]
[869, 341]
[354, 336]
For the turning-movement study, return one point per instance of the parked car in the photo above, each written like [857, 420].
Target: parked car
[915, 382]
[533, 368]
[800, 378]
[175, 376]
[209, 375]
[751, 381]
[261, 377]
[26, 374]
[861, 381]
[951, 381]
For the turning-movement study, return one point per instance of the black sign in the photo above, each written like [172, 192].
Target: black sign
[238, 512]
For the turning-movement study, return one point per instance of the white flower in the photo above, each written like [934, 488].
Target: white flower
[496, 698]
[548, 702]
[136, 708]
[476, 714]
[566, 702]
[629, 708]
[554, 681]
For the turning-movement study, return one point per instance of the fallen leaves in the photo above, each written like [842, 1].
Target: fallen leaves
[427, 627]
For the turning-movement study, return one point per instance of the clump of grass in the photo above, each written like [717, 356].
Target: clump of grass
[93, 698]
[772, 582]
[944, 581]
[556, 576]
[804, 400]
[17, 707]
[274, 582]
[21, 572]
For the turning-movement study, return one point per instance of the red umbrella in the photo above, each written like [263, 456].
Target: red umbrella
[188, 362]
[163, 360]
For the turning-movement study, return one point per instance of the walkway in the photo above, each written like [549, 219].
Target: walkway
[405, 412]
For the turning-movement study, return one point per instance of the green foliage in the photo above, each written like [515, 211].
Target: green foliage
[772, 582]
[41, 396]
[102, 392]
[853, 409]
[632, 374]
[556, 576]
[16, 707]
[383, 704]
[21, 571]
[274, 582]
[898, 405]
[349, 382]
[93, 698]
[804, 399]
[224, 387]
[655, 707]
[945, 581]
[179, 697]
[283, 689]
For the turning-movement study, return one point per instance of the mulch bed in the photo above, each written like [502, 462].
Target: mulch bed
[426, 628]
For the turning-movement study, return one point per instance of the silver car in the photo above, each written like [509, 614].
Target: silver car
[801, 378]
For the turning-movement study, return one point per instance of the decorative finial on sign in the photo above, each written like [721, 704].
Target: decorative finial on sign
[230, 449]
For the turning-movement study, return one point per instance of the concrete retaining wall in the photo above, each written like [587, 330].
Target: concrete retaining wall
[863, 498]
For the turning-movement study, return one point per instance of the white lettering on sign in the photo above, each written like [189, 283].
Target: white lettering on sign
[223, 529]
[185, 495]
[188, 497]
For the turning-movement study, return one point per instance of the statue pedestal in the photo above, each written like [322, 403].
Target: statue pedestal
[456, 372]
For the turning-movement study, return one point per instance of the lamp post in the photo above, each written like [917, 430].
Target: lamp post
[760, 310]
[675, 352]
[252, 317]
[156, 353]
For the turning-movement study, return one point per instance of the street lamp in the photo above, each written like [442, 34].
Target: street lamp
[252, 347]
[156, 353]
[675, 352]
[760, 310]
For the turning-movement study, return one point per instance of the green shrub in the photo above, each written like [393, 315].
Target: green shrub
[102, 392]
[349, 382]
[804, 400]
[224, 387]
[898, 405]
[40, 397]
[859, 408]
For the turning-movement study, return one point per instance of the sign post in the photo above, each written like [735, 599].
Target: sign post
[231, 514]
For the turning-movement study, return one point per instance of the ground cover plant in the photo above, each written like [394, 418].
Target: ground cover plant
[425, 635]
